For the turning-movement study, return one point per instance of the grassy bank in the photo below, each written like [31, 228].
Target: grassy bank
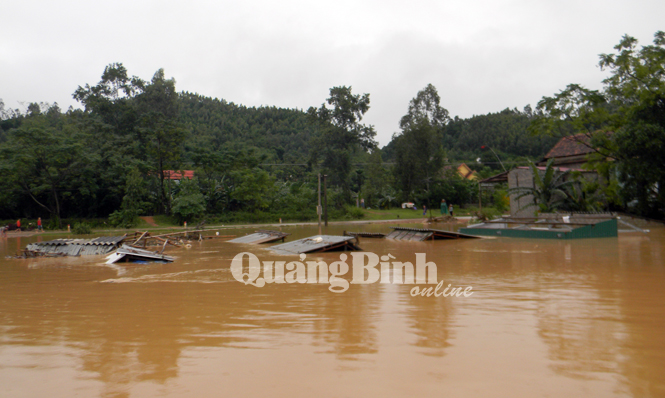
[158, 222]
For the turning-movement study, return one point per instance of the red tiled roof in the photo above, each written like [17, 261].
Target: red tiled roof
[570, 146]
[177, 175]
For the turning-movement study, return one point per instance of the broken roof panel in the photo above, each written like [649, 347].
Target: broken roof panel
[377, 235]
[261, 236]
[318, 243]
[128, 253]
[76, 247]
[421, 234]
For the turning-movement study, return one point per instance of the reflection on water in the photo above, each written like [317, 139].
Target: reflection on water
[546, 318]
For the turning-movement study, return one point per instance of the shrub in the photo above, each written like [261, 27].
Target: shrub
[82, 229]
[353, 213]
[124, 218]
[189, 202]
[486, 214]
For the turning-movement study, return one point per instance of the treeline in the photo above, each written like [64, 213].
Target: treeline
[506, 133]
[282, 135]
[111, 158]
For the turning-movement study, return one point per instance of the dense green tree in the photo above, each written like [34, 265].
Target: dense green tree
[418, 149]
[160, 130]
[341, 133]
[250, 189]
[625, 122]
[426, 106]
[41, 159]
[377, 179]
[133, 203]
[188, 202]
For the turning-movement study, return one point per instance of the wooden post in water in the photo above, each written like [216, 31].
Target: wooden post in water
[318, 208]
[325, 201]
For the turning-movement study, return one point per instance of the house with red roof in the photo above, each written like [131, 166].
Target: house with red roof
[569, 154]
[571, 151]
[177, 175]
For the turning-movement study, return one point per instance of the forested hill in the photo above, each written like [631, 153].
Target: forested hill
[505, 132]
[276, 132]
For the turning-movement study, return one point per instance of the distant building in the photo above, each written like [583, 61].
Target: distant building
[464, 171]
[571, 151]
[177, 175]
[522, 177]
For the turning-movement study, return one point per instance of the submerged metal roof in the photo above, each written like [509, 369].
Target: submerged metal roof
[546, 228]
[129, 253]
[77, 247]
[318, 243]
[377, 235]
[261, 236]
[421, 234]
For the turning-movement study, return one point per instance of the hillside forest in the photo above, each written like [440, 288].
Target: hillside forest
[114, 157]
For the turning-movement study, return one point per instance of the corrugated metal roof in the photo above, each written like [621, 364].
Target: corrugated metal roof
[107, 240]
[132, 253]
[318, 243]
[76, 247]
[421, 234]
[377, 235]
[412, 235]
[262, 236]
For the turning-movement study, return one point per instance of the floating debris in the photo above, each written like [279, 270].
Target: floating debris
[261, 236]
[318, 243]
[145, 239]
[73, 247]
[128, 253]
[421, 234]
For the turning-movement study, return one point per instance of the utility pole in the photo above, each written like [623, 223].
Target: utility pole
[318, 208]
[325, 200]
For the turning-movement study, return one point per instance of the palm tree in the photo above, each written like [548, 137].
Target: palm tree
[388, 199]
[550, 188]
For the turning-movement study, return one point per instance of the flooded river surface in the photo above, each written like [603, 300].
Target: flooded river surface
[547, 319]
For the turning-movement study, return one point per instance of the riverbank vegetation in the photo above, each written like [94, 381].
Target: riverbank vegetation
[128, 151]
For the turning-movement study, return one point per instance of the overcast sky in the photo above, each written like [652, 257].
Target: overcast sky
[482, 56]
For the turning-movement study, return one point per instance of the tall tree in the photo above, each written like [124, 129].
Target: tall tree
[425, 107]
[160, 130]
[342, 133]
[418, 149]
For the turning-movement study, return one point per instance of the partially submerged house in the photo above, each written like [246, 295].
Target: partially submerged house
[569, 154]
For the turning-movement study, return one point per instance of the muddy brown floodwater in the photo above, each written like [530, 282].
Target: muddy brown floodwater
[583, 318]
